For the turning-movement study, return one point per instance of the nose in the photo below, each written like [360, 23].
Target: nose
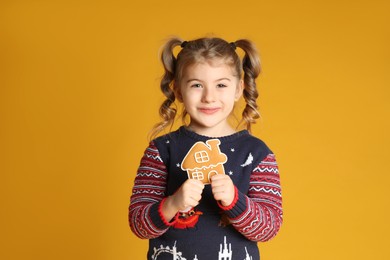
[208, 95]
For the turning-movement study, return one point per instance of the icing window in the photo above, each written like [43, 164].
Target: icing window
[197, 176]
[201, 157]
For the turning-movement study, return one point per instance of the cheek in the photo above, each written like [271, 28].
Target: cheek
[188, 98]
[192, 94]
[230, 97]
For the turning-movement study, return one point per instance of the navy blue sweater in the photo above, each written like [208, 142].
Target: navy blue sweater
[210, 230]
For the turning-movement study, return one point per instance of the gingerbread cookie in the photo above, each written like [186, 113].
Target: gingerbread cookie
[204, 160]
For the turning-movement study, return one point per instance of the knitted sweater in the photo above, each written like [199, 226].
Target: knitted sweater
[209, 231]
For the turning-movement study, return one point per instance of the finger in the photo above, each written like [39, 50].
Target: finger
[220, 180]
[193, 187]
[196, 196]
[219, 177]
[197, 183]
[195, 192]
[218, 192]
[220, 184]
[194, 184]
[192, 202]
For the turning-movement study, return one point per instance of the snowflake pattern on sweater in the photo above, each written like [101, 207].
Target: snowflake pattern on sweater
[255, 215]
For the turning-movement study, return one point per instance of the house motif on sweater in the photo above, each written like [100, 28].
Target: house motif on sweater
[204, 160]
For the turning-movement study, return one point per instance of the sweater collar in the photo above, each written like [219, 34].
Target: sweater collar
[228, 138]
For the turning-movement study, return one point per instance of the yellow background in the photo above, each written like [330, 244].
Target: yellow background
[79, 93]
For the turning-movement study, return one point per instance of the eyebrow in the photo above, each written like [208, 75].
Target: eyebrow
[214, 81]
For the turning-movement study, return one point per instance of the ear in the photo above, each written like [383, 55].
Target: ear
[239, 90]
[178, 95]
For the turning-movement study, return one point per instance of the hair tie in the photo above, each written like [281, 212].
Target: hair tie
[183, 44]
[233, 45]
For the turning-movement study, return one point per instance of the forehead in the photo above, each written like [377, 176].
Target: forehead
[209, 68]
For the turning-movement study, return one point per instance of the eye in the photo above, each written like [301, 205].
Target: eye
[196, 85]
[221, 85]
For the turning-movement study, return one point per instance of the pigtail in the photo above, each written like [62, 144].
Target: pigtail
[166, 111]
[251, 67]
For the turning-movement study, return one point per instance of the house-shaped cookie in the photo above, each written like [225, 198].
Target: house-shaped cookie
[204, 160]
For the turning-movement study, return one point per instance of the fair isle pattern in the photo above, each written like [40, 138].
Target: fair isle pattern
[149, 189]
[255, 214]
[260, 221]
[262, 218]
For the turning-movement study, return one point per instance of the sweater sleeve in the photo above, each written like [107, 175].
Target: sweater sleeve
[145, 218]
[258, 215]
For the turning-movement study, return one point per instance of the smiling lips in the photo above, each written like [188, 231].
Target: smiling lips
[208, 111]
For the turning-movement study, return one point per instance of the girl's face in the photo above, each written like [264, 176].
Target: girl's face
[208, 92]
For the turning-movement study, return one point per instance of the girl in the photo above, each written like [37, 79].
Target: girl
[207, 191]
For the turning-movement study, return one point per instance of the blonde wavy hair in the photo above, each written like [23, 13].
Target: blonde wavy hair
[199, 50]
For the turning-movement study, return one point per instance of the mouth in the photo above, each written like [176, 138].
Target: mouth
[208, 111]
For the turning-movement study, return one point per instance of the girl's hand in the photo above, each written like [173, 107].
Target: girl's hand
[223, 189]
[187, 196]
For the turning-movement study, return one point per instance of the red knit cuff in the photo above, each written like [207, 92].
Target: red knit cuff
[235, 199]
[174, 219]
